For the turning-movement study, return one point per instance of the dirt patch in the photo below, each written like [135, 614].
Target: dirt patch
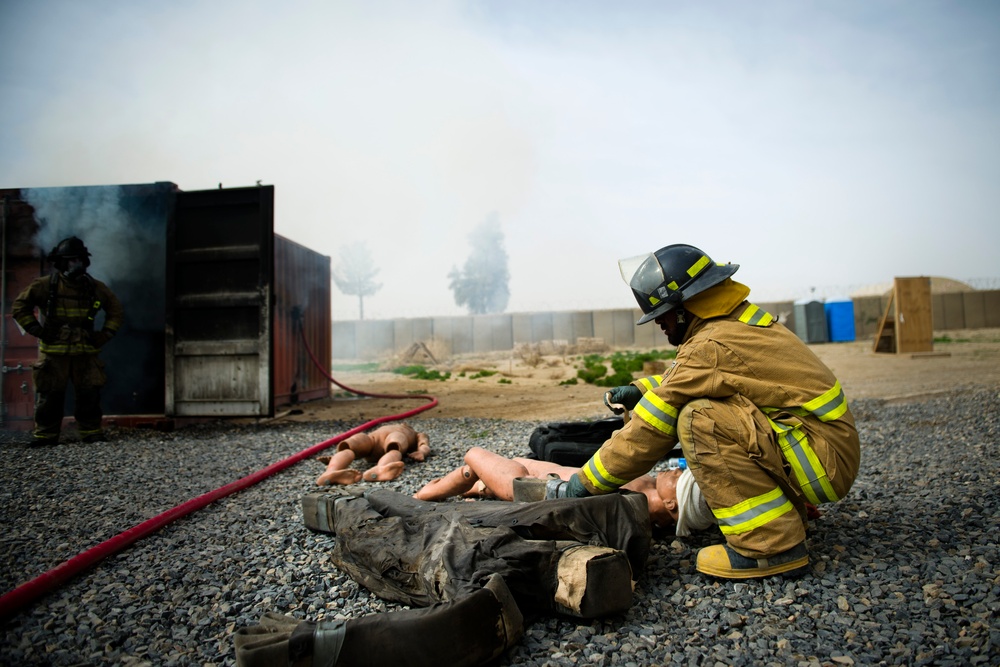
[525, 388]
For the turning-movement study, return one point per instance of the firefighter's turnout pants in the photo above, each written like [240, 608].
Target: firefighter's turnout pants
[758, 471]
[52, 374]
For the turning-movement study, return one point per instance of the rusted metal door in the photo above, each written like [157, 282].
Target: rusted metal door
[220, 280]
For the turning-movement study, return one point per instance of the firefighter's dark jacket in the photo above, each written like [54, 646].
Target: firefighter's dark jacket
[68, 307]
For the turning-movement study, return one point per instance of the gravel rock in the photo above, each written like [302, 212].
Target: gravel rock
[905, 570]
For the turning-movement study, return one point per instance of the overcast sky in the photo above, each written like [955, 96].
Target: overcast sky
[827, 145]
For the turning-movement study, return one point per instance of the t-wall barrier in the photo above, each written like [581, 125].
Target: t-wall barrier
[371, 340]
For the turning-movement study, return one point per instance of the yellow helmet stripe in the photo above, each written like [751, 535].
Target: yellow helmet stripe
[698, 266]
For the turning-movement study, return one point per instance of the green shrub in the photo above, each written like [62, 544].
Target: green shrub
[624, 366]
[591, 374]
[418, 372]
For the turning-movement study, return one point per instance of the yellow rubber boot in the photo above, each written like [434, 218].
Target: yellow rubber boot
[720, 560]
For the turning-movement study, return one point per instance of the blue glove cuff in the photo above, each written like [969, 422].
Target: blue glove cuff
[575, 488]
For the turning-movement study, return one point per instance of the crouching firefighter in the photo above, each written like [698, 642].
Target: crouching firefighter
[68, 301]
[763, 423]
[472, 573]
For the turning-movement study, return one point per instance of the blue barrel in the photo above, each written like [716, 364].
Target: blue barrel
[840, 320]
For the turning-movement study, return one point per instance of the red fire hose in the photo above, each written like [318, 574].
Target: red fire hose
[15, 600]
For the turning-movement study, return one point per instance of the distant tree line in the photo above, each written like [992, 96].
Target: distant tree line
[481, 286]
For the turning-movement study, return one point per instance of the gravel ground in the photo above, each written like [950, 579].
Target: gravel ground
[906, 569]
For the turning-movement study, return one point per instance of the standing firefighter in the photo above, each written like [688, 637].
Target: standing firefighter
[68, 300]
[763, 423]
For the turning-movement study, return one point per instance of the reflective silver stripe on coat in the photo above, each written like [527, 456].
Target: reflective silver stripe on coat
[650, 382]
[657, 413]
[754, 316]
[830, 405]
[599, 476]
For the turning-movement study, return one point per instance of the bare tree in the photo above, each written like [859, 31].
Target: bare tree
[481, 285]
[355, 275]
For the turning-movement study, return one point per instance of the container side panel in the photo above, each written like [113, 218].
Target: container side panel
[302, 323]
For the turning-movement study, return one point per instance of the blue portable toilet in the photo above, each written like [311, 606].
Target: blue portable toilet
[840, 319]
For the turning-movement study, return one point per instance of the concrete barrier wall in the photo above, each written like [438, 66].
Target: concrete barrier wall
[957, 310]
[381, 339]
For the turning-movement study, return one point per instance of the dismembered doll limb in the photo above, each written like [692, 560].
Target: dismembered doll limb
[488, 474]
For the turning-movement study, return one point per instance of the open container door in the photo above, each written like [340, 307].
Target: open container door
[220, 277]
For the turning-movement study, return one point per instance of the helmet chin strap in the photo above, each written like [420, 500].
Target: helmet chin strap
[680, 330]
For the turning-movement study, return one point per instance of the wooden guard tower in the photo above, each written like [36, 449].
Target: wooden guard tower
[907, 326]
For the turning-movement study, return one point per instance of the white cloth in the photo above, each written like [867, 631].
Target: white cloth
[693, 513]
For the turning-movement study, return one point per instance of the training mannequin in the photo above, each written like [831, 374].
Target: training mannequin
[490, 475]
[385, 447]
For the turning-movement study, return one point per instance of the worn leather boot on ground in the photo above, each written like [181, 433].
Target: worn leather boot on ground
[469, 631]
[720, 560]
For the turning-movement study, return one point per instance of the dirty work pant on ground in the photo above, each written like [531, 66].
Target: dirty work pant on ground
[475, 569]
[52, 375]
[417, 552]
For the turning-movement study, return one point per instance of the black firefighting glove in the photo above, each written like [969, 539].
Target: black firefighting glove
[100, 338]
[45, 333]
[35, 329]
[627, 395]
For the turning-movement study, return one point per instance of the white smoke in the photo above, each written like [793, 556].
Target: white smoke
[122, 227]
